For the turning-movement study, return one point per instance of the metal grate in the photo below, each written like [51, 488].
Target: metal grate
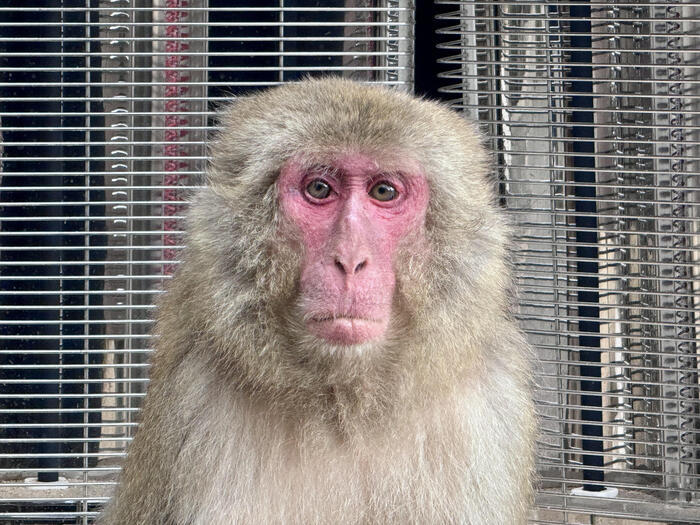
[593, 110]
[105, 107]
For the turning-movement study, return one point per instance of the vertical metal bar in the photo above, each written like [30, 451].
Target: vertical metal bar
[280, 44]
[85, 449]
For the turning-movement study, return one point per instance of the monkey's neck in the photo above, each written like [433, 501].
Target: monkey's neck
[343, 409]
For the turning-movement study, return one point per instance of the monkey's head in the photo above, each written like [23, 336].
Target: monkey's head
[346, 231]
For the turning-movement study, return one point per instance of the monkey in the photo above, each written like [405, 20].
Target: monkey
[337, 345]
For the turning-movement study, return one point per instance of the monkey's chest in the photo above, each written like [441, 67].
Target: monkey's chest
[401, 481]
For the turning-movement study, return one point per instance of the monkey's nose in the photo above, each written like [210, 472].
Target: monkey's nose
[350, 266]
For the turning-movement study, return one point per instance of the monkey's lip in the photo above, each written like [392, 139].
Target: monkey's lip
[346, 329]
[349, 317]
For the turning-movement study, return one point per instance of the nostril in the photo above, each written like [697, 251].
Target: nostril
[343, 268]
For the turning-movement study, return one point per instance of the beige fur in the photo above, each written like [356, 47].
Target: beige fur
[249, 421]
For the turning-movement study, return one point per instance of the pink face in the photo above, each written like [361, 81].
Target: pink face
[352, 215]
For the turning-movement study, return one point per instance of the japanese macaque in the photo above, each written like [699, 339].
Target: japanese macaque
[335, 347]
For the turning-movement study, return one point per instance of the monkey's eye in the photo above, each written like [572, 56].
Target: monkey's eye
[318, 189]
[383, 191]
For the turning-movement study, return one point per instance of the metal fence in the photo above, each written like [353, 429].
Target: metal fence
[593, 110]
[105, 108]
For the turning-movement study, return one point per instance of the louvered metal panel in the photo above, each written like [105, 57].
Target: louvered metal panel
[105, 108]
[593, 112]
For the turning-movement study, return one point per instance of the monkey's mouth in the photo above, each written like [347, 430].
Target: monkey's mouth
[347, 330]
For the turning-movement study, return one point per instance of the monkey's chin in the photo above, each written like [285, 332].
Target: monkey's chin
[347, 331]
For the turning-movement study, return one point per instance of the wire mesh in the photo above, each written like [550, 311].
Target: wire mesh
[592, 108]
[105, 109]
